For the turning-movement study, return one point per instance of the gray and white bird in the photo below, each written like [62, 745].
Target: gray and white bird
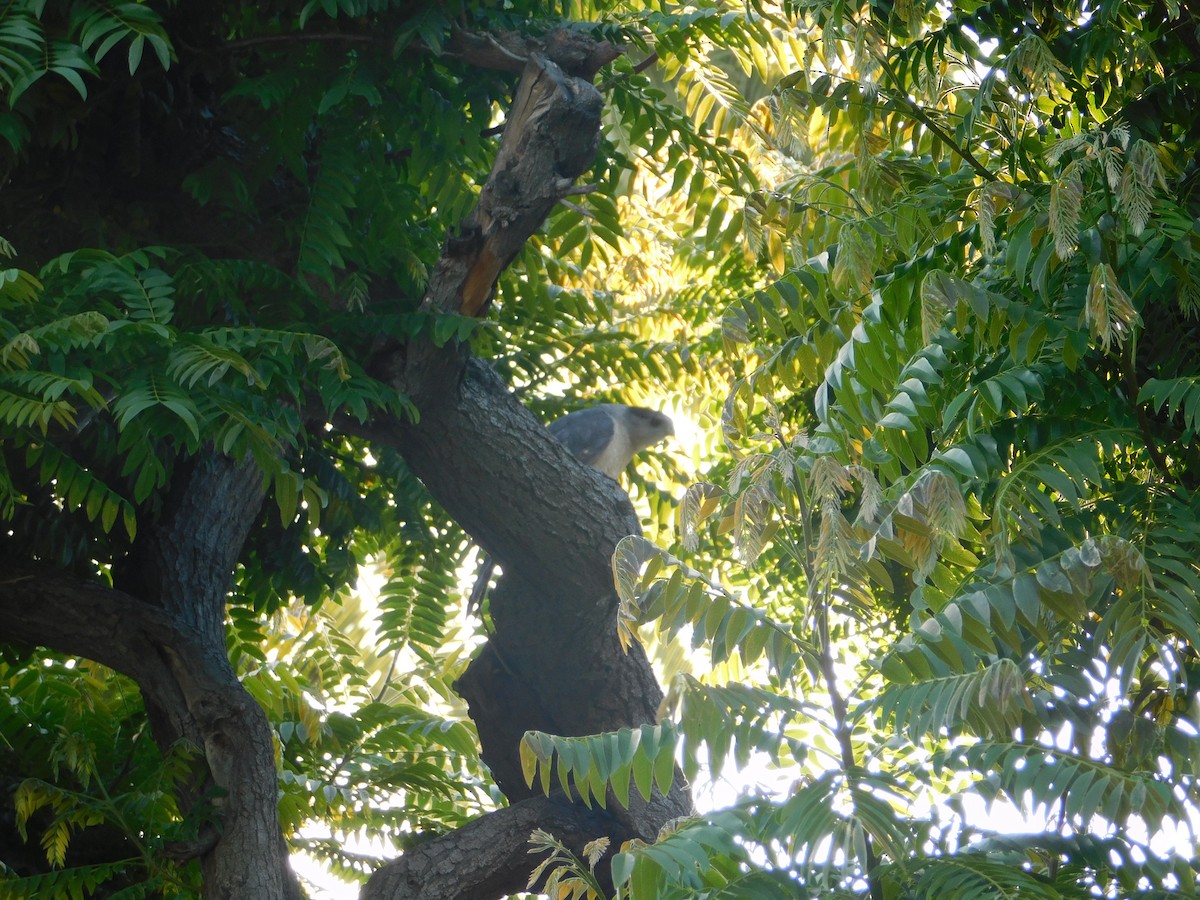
[605, 437]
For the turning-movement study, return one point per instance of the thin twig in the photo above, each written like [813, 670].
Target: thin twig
[646, 63]
[841, 711]
[921, 116]
[1129, 373]
[575, 207]
[302, 38]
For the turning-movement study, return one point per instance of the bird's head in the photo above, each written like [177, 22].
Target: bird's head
[647, 426]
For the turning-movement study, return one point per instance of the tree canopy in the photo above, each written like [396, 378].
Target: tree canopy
[289, 290]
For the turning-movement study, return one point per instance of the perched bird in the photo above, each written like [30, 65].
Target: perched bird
[605, 437]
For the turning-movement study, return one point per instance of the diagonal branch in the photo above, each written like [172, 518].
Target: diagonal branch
[550, 138]
[553, 662]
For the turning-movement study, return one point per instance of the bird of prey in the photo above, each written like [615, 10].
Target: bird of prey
[605, 437]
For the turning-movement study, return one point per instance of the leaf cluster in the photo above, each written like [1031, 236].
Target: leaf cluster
[949, 555]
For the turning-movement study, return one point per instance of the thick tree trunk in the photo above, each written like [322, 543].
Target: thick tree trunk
[166, 631]
[185, 565]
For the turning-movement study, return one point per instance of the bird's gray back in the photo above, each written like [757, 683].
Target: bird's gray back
[586, 432]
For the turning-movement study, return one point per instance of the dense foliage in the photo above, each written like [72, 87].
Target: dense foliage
[926, 276]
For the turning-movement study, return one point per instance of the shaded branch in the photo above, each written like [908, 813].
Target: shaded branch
[647, 62]
[515, 489]
[306, 37]
[488, 857]
[42, 606]
[575, 53]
